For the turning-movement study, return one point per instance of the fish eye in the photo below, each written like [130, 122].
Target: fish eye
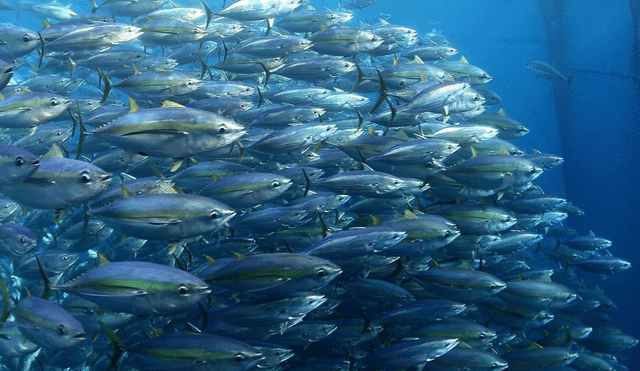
[321, 273]
[19, 161]
[183, 290]
[214, 214]
[277, 352]
[482, 336]
[53, 101]
[222, 130]
[239, 357]
[447, 234]
[64, 257]
[26, 38]
[275, 184]
[507, 218]
[86, 178]
[532, 170]
[21, 239]
[61, 330]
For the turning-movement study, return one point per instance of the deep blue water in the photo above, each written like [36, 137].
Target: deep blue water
[594, 125]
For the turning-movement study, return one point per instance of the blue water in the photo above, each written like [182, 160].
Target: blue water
[594, 125]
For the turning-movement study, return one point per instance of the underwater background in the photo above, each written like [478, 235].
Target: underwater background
[594, 125]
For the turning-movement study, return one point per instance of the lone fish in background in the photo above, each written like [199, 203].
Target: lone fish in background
[547, 71]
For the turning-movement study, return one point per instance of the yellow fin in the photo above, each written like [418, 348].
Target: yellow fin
[502, 150]
[509, 349]
[409, 215]
[238, 256]
[395, 60]
[136, 71]
[323, 28]
[535, 345]
[173, 246]
[417, 60]
[372, 132]
[46, 24]
[133, 105]
[474, 152]
[126, 193]
[102, 259]
[156, 333]
[374, 220]
[54, 152]
[177, 162]
[464, 345]
[435, 263]
[168, 103]
[210, 260]
[400, 134]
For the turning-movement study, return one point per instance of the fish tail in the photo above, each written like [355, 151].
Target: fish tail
[107, 86]
[48, 286]
[117, 345]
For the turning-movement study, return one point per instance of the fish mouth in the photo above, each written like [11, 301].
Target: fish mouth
[80, 337]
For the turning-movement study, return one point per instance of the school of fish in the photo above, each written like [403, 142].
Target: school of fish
[261, 185]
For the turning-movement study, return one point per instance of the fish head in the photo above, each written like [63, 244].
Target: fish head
[17, 164]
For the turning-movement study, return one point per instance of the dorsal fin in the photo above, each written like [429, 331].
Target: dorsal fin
[536, 151]
[54, 152]
[591, 233]
[417, 60]
[102, 259]
[28, 292]
[463, 59]
[384, 22]
[501, 112]
[463, 345]
[409, 215]
[400, 134]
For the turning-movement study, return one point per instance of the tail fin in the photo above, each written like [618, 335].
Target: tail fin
[107, 86]
[45, 279]
[117, 345]
[570, 81]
